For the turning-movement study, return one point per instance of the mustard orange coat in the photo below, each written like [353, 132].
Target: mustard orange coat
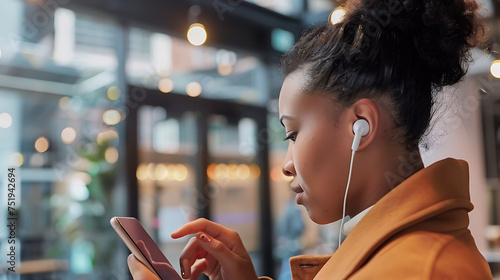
[417, 231]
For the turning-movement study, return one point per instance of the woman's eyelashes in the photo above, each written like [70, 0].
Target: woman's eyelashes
[292, 136]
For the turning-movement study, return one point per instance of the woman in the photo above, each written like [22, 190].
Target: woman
[383, 63]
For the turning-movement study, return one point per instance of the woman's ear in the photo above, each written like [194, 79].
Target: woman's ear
[368, 110]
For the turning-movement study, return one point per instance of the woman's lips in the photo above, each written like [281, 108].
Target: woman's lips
[299, 191]
[298, 198]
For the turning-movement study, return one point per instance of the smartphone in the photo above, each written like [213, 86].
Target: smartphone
[143, 247]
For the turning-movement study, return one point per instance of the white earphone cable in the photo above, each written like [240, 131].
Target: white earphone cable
[345, 197]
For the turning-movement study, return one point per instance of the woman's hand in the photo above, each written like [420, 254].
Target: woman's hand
[141, 272]
[138, 270]
[220, 252]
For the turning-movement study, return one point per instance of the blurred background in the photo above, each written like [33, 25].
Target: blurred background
[167, 111]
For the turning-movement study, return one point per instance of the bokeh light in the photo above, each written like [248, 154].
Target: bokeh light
[180, 173]
[193, 89]
[106, 136]
[113, 93]
[64, 103]
[197, 35]
[37, 160]
[17, 159]
[243, 171]
[337, 15]
[42, 144]
[5, 120]
[142, 172]
[68, 135]
[254, 171]
[111, 117]
[151, 171]
[166, 85]
[211, 171]
[225, 68]
[170, 172]
[111, 155]
[160, 172]
[495, 69]
[232, 171]
[221, 171]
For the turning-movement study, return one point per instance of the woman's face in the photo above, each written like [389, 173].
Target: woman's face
[319, 151]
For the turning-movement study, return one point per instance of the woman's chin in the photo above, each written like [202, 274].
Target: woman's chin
[320, 219]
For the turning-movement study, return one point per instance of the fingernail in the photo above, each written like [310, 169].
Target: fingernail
[204, 238]
[182, 270]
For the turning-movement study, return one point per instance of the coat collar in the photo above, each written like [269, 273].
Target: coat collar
[438, 188]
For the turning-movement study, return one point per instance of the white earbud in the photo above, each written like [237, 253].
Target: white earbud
[360, 128]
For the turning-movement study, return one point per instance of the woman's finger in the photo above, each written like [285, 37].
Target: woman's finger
[188, 257]
[198, 268]
[229, 237]
[198, 225]
[138, 270]
[216, 249]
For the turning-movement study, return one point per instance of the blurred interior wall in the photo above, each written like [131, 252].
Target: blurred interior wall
[457, 132]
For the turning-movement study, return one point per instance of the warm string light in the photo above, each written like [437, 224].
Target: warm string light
[215, 171]
[337, 15]
[166, 85]
[224, 69]
[142, 172]
[111, 155]
[111, 117]
[160, 172]
[5, 120]
[232, 171]
[68, 135]
[197, 35]
[113, 93]
[193, 89]
[106, 136]
[64, 103]
[495, 69]
[42, 145]
[17, 159]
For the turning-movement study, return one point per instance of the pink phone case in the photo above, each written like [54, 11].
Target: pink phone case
[143, 247]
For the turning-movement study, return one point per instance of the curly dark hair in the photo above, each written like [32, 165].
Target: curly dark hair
[404, 50]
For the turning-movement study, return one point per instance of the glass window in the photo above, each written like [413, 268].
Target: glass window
[173, 65]
[60, 129]
[166, 174]
[234, 178]
[177, 185]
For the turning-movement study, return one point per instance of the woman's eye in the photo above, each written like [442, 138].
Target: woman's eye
[290, 136]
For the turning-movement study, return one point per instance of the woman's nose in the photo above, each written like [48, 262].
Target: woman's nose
[288, 167]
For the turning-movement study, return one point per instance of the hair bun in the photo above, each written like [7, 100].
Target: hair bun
[436, 34]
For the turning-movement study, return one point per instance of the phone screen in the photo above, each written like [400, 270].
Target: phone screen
[145, 245]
